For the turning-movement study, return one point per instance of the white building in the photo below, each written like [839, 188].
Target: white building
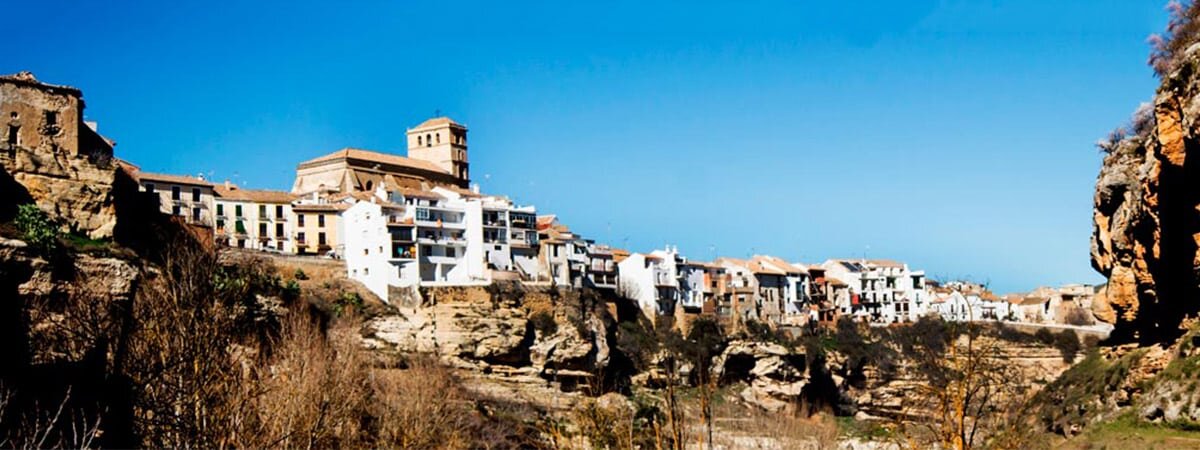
[442, 237]
[882, 291]
[652, 279]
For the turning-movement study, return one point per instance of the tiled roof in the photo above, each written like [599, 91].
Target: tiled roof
[172, 179]
[438, 121]
[253, 195]
[328, 207]
[373, 156]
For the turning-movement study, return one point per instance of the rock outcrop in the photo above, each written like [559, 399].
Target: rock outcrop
[775, 375]
[1147, 225]
[492, 330]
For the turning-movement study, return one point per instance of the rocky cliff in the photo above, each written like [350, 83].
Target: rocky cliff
[1147, 225]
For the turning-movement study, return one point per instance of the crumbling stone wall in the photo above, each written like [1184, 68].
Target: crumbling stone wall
[51, 157]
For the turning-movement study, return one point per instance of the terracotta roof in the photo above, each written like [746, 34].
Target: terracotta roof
[335, 207]
[173, 179]
[546, 220]
[778, 264]
[373, 156]
[418, 193]
[885, 263]
[233, 192]
[438, 121]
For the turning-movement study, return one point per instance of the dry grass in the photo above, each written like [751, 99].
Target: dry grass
[741, 427]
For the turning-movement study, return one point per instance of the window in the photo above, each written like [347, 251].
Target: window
[220, 209]
[51, 118]
[174, 192]
[450, 251]
[439, 137]
[423, 214]
[428, 142]
[13, 131]
[220, 224]
[320, 220]
[366, 271]
[262, 211]
[196, 213]
[366, 251]
[262, 230]
[278, 210]
[418, 141]
[300, 220]
[381, 249]
[300, 237]
[279, 230]
[195, 194]
[321, 238]
[150, 187]
[175, 210]
[237, 210]
[370, 185]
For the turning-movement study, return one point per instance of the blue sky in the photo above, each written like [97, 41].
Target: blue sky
[957, 136]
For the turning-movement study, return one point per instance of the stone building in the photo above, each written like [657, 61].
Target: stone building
[52, 157]
[437, 156]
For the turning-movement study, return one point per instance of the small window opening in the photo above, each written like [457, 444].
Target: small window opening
[51, 118]
[428, 142]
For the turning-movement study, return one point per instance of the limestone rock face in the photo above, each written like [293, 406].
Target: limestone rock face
[776, 375]
[74, 192]
[1146, 218]
[489, 330]
[64, 311]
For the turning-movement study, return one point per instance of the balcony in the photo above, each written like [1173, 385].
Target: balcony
[447, 241]
[444, 260]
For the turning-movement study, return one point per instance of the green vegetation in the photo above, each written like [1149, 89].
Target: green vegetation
[1127, 431]
[36, 227]
[1078, 395]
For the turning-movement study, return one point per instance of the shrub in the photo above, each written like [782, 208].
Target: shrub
[36, 227]
[544, 323]
[1079, 317]
[1182, 31]
[1045, 336]
[300, 275]
[1067, 342]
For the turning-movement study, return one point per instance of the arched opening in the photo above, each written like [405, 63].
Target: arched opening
[419, 140]
[370, 185]
[428, 141]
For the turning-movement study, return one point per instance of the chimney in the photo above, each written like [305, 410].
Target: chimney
[475, 187]
[228, 185]
[200, 176]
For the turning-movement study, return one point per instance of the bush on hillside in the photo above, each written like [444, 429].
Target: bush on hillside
[1182, 31]
[36, 227]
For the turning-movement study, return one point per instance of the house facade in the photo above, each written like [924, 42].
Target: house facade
[254, 219]
[881, 291]
[192, 199]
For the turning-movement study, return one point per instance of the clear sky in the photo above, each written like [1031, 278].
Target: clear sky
[955, 135]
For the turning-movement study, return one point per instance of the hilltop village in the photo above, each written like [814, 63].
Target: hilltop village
[403, 222]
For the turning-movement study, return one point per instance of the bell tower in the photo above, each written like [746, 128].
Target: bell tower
[443, 142]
